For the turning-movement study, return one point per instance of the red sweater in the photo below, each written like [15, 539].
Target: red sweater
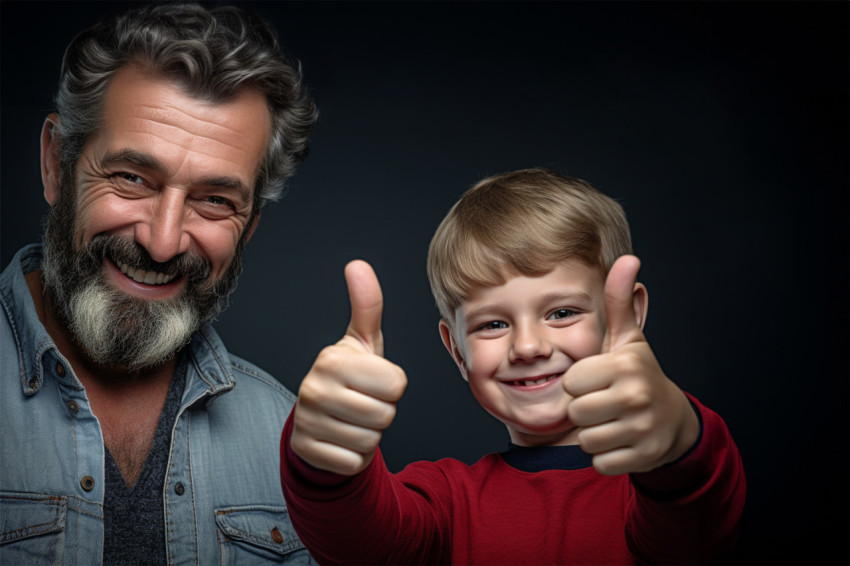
[525, 506]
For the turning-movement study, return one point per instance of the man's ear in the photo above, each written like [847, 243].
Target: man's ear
[50, 158]
[641, 304]
[452, 347]
[254, 223]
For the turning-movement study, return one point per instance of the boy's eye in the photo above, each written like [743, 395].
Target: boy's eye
[493, 325]
[561, 314]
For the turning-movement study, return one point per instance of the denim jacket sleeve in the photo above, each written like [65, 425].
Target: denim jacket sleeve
[222, 496]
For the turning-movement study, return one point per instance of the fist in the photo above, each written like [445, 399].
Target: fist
[632, 417]
[349, 396]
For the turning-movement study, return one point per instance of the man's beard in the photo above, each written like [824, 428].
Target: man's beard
[114, 328]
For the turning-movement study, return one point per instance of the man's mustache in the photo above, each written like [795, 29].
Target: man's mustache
[119, 249]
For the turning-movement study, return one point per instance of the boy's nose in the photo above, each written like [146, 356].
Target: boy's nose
[529, 345]
[163, 234]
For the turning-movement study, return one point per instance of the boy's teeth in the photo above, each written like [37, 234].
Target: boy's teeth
[142, 276]
[527, 382]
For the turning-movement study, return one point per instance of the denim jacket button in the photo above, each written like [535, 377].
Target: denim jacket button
[60, 369]
[73, 406]
[87, 483]
[276, 536]
[179, 489]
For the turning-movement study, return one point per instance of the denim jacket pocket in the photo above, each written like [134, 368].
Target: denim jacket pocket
[32, 528]
[258, 533]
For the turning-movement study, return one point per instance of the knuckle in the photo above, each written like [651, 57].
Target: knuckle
[643, 427]
[312, 391]
[585, 440]
[330, 359]
[650, 451]
[297, 442]
[629, 362]
[346, 465]
[302, 419]
[636, 394]
[576, 414]
[603, 466]
[397, 384]
[385, 416]
[367, 442]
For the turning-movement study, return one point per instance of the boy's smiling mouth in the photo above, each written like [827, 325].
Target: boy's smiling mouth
[533, 381]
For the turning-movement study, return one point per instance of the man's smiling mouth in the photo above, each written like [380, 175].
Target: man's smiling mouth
[142, 276]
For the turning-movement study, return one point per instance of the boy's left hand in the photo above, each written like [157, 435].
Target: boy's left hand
[633, 418]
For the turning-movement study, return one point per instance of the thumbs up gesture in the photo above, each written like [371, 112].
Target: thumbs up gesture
[349, 396]
[633, 418]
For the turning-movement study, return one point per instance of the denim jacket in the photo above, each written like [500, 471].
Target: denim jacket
[222, 497]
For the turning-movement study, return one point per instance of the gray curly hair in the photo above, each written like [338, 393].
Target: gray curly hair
[212, 54]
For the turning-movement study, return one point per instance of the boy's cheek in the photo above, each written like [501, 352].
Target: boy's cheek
[586, 345]
[477, 358]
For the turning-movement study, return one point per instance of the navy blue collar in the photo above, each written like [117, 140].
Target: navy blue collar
[542, 458]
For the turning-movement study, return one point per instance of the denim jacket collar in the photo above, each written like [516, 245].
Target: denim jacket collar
[209, 359]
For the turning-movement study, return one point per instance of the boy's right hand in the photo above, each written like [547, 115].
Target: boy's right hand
[349, 396]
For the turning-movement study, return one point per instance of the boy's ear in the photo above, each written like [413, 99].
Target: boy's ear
[641, 304]
[452, 347]
[50, 158]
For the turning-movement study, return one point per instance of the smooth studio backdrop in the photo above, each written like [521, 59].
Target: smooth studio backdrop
[722, 128]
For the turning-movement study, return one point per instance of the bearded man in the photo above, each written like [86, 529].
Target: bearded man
[130, 434]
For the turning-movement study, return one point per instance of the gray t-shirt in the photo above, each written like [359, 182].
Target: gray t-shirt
[134, 530]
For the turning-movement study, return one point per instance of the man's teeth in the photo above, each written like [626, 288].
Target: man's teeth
[142, 276]
[528, 382]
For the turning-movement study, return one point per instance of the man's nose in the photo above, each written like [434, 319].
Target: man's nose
[163, 234]
[529, 344]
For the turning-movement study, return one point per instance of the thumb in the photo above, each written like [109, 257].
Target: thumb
[367, 305]
[622, 323]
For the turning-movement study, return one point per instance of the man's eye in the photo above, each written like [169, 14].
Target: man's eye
[215, 207]
[131, 178]
[219, 201]
[561, 314]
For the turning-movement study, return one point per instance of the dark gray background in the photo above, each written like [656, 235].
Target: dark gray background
[721, 127]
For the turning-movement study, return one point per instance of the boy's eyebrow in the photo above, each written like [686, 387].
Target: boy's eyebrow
[148, 161]
[578, 296]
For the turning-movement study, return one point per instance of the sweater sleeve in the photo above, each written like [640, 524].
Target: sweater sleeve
[368, 518]
[689, 511]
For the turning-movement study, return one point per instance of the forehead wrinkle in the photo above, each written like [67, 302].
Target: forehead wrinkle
[222, 137]
[148, 161]
[228, 131]
[197, 144]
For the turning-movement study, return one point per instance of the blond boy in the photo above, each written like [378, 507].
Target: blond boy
[610, 462]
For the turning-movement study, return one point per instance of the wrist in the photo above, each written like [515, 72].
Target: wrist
[688, 436]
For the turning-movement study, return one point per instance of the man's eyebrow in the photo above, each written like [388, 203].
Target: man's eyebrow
[133, 156]
[226, 183]
[150, 162]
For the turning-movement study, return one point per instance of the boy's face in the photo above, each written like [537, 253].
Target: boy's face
[514, 342]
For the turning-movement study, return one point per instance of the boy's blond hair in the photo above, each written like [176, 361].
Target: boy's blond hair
[522, 223]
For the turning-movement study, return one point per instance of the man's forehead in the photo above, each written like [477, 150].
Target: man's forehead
[147, 111]
[138, 90]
